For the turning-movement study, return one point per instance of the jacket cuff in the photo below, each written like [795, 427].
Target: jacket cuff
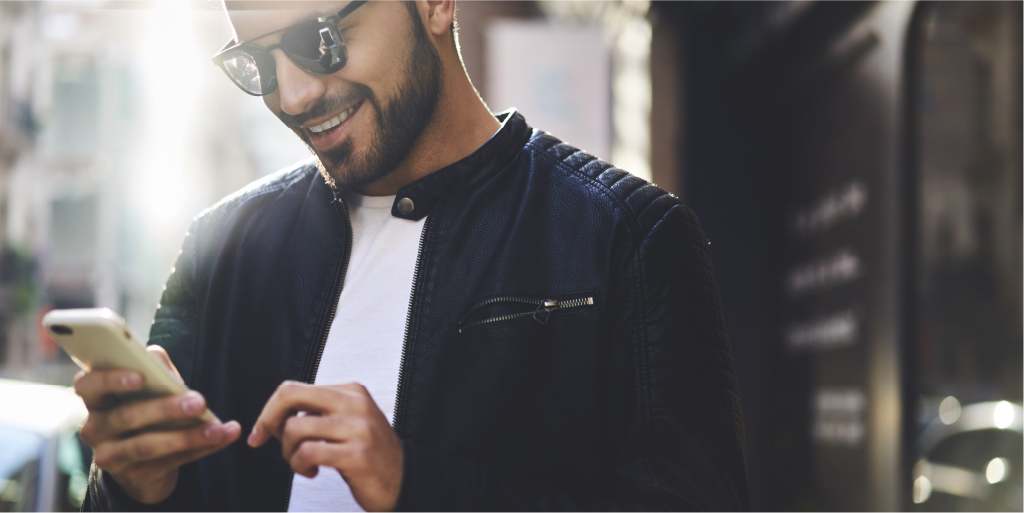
[432, 482]
[105, 494]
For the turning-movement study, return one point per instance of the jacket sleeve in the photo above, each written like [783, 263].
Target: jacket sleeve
[175, 328]
[674, 411]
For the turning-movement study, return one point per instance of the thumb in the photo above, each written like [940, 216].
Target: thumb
[161, 355]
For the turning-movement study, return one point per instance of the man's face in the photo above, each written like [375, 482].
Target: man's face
[380, 101]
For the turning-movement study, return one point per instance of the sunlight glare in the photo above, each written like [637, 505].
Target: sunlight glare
[171, 74]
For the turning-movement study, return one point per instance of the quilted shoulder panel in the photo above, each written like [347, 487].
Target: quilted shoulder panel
[644, 202]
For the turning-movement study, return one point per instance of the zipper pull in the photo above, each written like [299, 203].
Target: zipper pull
[544, 309]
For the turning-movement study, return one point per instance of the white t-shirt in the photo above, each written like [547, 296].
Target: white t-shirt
[364, 344]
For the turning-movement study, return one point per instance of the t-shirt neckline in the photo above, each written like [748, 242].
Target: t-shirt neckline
[363, 201]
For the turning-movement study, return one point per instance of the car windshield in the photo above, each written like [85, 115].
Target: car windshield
[19, 454]
[17, 447]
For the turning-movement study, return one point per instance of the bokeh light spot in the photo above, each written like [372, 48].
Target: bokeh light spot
[996, 470]
[922, 489]
[949, 410]
[1003, 415]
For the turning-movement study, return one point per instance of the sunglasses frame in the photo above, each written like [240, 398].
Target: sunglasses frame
[266, 64]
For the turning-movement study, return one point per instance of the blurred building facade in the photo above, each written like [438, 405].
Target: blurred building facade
[857, 167]
[116, 131]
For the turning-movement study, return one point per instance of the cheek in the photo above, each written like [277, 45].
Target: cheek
[378, 60]
[362, 68]
[383, 74]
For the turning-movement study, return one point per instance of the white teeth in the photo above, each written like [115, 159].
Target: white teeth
[333, 122]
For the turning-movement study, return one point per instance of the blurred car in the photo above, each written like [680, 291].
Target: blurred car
[43, 464]
[970, 458]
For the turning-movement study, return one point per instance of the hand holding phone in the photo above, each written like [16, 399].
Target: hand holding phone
[143, 422]
[97, 339]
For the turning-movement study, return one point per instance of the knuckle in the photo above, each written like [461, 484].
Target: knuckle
[101, 459]
[170, 407]
[132, 451]
[104, 457]
[307, 451]
[366, 406]
[87, 433]
[297, 464]
[123, 417]
[299, 457]
[76, 383]
[289, 451]
[360, 454]
[180, 442]
[293, 425]
[195, 438]
[288, 388]
[361, 428]
[111, 380]
[354, 456]
[140, 450]
[336, 424]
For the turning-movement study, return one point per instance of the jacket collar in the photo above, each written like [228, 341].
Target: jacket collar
[424, 194]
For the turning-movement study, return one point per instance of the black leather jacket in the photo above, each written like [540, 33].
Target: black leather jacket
[610, 387]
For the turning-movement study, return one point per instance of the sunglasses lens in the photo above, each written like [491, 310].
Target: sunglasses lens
[316, 47]
[244, 68]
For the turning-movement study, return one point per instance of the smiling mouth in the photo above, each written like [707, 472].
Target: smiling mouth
[340, 118]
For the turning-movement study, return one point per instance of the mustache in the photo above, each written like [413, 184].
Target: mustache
[326, 106]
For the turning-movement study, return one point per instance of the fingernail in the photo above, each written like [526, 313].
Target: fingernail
[131, 380]
[192, 404]
[232, 428]
[252, 436]
[211, 431]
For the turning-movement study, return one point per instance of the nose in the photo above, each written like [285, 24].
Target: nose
[299, 90]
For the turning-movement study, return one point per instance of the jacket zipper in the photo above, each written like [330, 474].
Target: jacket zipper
[541, 313]
[408, 321]
[339, 284]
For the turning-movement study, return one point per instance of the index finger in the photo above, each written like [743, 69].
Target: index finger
[289, 398]
[94, 387]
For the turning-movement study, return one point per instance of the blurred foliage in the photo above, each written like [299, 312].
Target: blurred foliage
[18, 279]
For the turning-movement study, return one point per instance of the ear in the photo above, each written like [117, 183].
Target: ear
[440, 14]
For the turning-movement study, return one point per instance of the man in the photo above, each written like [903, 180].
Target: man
[529, 327]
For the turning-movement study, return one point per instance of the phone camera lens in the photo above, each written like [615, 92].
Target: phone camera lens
[60, 329]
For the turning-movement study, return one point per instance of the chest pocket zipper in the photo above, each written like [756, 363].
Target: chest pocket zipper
[539, 309]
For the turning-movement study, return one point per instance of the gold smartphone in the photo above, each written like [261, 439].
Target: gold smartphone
[98, 339]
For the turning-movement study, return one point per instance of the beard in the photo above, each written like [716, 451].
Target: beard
[400, 120]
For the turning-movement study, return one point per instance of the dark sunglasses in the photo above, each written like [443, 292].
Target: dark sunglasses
[315, 46]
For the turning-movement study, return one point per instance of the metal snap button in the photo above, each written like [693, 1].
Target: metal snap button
[405, 206]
